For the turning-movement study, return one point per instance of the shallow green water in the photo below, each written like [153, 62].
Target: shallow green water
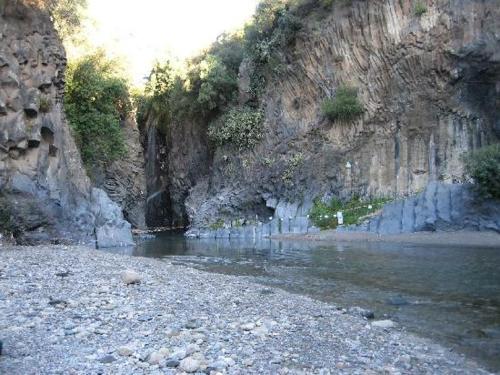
[449, 294]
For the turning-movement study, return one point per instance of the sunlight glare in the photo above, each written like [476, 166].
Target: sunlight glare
[144, 31]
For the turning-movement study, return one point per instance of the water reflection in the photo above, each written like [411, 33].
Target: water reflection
[451, 294]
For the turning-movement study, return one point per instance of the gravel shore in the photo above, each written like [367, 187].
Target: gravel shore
[73, 310]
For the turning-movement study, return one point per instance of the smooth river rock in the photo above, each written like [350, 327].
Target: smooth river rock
[130, 277]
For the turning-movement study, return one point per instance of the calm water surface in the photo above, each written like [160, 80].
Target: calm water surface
[449, 294]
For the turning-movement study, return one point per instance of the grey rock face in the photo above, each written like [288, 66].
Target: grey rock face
[45, 193]
[429, 86]
[175, 162]
[440, 207]
[256, 231]
[124, 180]
[158, 203]
[110, 227]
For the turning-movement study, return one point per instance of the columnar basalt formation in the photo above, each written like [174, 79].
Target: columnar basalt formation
[45, 193]
[430, 86]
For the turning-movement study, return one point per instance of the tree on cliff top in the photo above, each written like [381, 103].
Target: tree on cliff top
[66, 14]
[96, 101]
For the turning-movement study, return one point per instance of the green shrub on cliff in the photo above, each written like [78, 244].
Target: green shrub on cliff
[217, 85]
[483, 166]
[96, 101]
[207, 89]
[324, 214]
[344, 106]
[420, 9]
[273, 29]
[156, 102]
[204, 90]
[240, 127]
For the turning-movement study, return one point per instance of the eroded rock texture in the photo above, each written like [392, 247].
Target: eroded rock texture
[124, 180]
[440, 207]
[175, 162]
[45, 194]
[430, 86]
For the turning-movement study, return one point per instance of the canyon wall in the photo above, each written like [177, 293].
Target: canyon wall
[45, 194]
[175, 162]
[124, 179]
[430, 86]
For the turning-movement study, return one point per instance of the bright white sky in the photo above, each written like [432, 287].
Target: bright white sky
[143, 31]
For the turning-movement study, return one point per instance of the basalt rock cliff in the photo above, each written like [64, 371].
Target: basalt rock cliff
[45, 194]
[124, 179]
[430, 86]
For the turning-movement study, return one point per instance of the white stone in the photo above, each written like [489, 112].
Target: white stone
[156, 357]
[384, 324]
[260, 331]
[229, 361]
[248, 362]
[192, 348]
[131, 277]
[125, 351]
[189, 364]
[247, 326]
[179, 354]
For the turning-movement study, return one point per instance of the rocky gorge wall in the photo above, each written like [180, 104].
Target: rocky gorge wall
[430, 86]
[124, 179]
[45, 194]
[175, 162]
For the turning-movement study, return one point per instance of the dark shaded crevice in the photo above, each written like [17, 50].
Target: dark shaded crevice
[52, 151]
[33, 143]
[47, 135]
[158, 201]
[159, 210]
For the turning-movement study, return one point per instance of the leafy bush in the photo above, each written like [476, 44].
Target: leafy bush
[217, 85]
[292, 165]
[219, 224]
[156, 99]
[483, 166]
[229, 50]
[420, 9]
[324, 214]
[344, 106]
[273, 28]
[96, 100]
[205, 90]
[240, 127]
[208, 88]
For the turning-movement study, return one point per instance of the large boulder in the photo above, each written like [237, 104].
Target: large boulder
[111, 229]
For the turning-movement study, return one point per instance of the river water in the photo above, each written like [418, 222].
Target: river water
[448, 294]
